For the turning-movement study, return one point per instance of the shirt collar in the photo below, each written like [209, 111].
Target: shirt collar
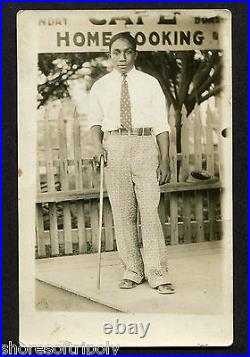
[130, 74]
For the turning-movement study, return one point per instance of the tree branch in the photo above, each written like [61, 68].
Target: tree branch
[211, 93]
[206, 84]
[202, 74]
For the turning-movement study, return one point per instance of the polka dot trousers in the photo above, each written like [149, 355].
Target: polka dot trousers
[131, 181]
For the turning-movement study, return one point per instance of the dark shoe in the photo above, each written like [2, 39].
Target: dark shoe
[165, 289]
[127, 284]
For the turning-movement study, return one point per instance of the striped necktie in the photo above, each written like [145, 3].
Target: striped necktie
[125, 105]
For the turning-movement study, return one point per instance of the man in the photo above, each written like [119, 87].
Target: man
[128, 106]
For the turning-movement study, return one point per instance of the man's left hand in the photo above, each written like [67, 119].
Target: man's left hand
[163, 172]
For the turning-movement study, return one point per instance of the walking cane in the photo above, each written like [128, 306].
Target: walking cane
[100, 224]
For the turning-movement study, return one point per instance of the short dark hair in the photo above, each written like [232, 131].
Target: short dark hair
[124, 35]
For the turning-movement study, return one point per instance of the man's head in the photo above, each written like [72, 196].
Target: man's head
[122, 48]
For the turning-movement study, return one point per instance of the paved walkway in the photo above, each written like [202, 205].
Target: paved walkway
[195, 270]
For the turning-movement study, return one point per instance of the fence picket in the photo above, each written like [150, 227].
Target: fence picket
[48, 153]
[40, 232]
[63, 164]
[79, 183]
[200, 236]
[77, 151]
[186, 196]
[53, 229]
[63, 172]
[198, 167]
[68, 247]
[95, 176]
[82, 239]
[50, 185]
[87, 173]
[39, 222]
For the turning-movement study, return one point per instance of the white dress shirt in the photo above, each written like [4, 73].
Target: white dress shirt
[148, 104]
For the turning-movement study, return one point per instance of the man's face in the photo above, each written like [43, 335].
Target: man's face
[122, 55]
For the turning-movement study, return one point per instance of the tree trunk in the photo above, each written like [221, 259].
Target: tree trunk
[178, 138]
[178, 129]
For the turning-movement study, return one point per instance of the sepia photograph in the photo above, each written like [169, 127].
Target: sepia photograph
[127, 169]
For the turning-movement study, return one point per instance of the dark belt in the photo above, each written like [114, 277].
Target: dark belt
[133, 131]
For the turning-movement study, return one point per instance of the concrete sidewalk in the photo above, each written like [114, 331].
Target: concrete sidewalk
[195, 270]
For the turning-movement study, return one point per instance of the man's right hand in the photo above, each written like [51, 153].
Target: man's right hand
[99, 151]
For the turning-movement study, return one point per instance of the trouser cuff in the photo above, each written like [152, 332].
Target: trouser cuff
[156, 280]
[137, 278]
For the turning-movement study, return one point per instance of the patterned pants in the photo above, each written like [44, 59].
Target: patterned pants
[131, 178]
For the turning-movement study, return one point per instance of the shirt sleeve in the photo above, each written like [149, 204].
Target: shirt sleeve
[95, 116]
[159, 110]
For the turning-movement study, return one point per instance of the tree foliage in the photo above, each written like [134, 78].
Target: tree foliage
[186, 77]
[56, 69]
